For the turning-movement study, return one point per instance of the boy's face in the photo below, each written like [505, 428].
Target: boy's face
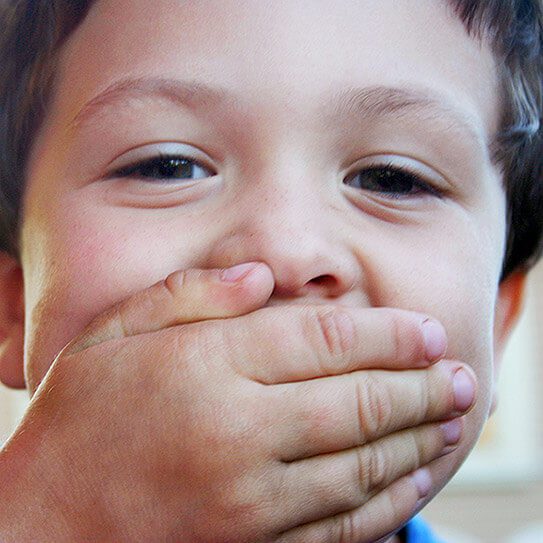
[311, 94]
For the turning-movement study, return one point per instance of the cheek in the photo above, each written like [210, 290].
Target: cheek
[451, 275]
[75, 269]
[67, 287]
[456, 282]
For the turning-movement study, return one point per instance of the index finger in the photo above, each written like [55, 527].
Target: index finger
[285, 344]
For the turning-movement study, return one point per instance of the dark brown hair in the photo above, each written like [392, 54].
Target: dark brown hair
[34, 30]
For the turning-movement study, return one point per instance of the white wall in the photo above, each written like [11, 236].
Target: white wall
[12, 406]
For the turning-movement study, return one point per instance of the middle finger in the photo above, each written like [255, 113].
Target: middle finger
[340, 412]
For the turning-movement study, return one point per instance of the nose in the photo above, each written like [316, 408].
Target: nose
[293, 228]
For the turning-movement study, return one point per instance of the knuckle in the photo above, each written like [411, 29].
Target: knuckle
[332, 330]
[175, 281]
[374, 408]
[407, 340]
[435, 392]
[184, 343]
[418, 398]
[420, 445]
[192, 350]
[377, 468]
[397, 336]
[180, 279]
[423, 399]
[241, 510]
[121, 319]
[229, 344]
[362, 467]
[372, 470]
[392, 507]
[345, 525]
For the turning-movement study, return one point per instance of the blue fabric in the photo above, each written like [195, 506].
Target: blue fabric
[417, 531]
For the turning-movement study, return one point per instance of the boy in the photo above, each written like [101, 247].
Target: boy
[381, 160]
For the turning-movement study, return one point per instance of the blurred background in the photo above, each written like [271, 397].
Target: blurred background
[497, 496]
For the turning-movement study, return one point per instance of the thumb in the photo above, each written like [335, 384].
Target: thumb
[184, 296]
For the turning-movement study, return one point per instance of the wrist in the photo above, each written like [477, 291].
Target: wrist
[39, 496]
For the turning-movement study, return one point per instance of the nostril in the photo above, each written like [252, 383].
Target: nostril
[323, 281]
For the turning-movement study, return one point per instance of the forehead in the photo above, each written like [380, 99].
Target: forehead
[286, 56]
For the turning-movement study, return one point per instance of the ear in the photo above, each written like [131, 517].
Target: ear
[508, 309]
[11, 322]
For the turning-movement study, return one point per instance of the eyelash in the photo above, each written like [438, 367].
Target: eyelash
[386, 172]
[154, 162]
[389, 171]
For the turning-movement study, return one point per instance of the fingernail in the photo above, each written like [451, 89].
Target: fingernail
[423, 481]
[452, 431]
[238, 272]
[464, 390]
[435, 339]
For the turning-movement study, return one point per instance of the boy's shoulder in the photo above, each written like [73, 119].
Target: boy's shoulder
[417, 531]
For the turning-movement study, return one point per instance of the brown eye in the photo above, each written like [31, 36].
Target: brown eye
[392, 181]
[165, 168]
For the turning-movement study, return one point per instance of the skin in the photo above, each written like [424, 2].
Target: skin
[277, 165]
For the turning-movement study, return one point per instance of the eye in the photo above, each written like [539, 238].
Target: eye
[165, 168]
[391, 181]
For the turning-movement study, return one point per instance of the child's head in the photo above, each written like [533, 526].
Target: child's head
[372, 153]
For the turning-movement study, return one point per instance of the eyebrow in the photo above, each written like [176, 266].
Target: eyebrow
[383, 101]
[355, 102]
[192, 94]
